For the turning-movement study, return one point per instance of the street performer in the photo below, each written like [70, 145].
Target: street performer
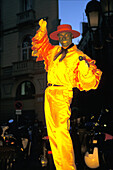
[67, 67]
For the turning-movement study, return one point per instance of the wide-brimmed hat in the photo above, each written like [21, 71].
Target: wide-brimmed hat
[64, 28]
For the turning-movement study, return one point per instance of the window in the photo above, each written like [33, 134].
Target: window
[26, 48]
[25, 90]
[27, 5]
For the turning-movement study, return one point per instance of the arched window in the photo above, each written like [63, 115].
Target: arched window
[26, 48]
[27, 5]
[25, 90]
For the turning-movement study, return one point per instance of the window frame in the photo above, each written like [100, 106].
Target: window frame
[28, 92]
[27, 5]
[27, 48]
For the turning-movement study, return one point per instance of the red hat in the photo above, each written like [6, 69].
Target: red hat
[64, 28]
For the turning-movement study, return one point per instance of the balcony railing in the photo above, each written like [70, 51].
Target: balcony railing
[27, 16]
[27, 67]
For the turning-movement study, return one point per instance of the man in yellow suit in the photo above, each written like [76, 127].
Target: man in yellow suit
[67, 68]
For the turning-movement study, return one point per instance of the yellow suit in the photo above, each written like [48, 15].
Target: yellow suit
[69, 73]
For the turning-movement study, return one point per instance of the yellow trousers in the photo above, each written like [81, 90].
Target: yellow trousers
[57, 114]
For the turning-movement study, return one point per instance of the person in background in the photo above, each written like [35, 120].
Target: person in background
[67, 68]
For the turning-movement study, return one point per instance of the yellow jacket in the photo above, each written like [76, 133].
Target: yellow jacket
[70, 72]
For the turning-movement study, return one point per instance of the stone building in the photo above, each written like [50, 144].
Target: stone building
[23, 81]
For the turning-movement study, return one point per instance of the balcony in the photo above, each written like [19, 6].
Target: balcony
[21, 68]
[27, 67]
[26, 16]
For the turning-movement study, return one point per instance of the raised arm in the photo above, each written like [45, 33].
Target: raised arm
[40, 43]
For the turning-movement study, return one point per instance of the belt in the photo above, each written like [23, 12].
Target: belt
[49, 84]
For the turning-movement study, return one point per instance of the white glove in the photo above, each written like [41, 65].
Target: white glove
[83, 67]
[43, 25]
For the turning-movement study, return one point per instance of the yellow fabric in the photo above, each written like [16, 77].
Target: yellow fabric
[57, 113]
[70, 72]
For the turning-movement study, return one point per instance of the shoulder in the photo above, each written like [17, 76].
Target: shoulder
[79, 52]
[55, 49]
[75, 50]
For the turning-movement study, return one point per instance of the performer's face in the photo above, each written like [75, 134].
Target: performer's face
[65, 39]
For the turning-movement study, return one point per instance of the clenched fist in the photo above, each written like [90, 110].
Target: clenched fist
[42, 24]
[83, 67]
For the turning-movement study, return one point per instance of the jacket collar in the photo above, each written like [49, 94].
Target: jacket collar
[63, 52]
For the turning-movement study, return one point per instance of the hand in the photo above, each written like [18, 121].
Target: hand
[83, 67]
[42, 24]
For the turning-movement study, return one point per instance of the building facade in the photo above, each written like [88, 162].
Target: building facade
[23, 80]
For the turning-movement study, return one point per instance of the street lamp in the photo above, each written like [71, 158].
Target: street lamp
[93, 12]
